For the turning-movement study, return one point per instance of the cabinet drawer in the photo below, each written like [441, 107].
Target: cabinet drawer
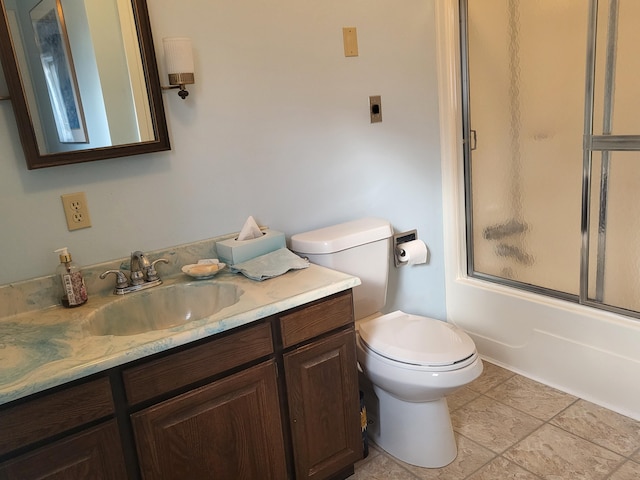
[55, 413]
[94, 453]
[177, 370]
[316, 319]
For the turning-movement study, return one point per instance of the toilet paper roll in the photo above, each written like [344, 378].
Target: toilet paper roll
[412, 253]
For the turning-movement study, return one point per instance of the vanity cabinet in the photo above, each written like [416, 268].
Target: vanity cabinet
[276, 399]
[322, 388]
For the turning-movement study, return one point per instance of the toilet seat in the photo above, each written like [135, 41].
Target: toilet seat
[417, 340]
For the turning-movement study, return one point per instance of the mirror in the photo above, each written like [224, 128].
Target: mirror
[83, 79]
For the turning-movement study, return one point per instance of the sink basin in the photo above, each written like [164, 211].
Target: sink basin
[161, 307]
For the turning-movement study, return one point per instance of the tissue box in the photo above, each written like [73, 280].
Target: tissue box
[234, 251]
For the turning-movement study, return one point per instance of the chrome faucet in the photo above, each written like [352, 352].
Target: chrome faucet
[139, 266]
[143, 274]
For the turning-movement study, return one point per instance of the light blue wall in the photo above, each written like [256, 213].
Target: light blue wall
[276, 127]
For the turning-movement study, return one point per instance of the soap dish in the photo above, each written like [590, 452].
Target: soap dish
[203, 271]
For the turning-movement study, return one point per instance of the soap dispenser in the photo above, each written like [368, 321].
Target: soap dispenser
[74, 292]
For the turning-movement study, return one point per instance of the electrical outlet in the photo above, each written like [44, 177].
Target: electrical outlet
[76, 210]
[375, 108]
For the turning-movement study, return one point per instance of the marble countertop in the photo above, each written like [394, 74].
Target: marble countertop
[46, 348]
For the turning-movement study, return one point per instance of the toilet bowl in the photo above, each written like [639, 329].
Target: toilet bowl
[413, 362]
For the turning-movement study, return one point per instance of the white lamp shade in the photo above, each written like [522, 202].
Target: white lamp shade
[178, 55]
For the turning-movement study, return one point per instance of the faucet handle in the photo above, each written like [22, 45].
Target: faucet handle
[152, 275]
[121, 278]
[137, 277]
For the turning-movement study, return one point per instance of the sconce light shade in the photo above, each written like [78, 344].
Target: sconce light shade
[178, 57]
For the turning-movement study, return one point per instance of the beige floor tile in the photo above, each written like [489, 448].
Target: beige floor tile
[461, 397]
[373, 451]
[628, 471]
[531, 397]
[381, 467]
[471, 456]
[492, 424]
[502, 469]
[555, 454]
[492, 375]
[601, 426]
[509, 418]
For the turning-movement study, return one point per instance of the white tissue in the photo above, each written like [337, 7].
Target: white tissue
[208, 261]
[250, 230]
[412, 253]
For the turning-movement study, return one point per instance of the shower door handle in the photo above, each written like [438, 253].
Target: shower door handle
[474, 140]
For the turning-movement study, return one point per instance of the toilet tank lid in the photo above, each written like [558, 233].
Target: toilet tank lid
[342, 236]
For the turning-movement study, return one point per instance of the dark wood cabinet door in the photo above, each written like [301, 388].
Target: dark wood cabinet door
[93, 454]
[227, 430]
[322, 386]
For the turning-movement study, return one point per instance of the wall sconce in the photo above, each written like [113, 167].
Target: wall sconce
[178, 58]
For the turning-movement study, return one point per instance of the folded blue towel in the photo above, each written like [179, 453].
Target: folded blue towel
[270, 265]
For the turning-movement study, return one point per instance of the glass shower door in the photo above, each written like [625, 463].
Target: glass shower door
[612, 160]
[552, 147]
[526, 67]
[614, 255]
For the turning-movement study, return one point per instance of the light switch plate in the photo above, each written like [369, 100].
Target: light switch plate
[350, 39]
[76, 210]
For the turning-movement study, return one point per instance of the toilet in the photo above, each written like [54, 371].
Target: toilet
[412, 362]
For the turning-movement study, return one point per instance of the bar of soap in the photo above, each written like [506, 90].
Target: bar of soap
[202, 270]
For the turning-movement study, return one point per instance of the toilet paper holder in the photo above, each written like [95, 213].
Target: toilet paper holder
[399, 238]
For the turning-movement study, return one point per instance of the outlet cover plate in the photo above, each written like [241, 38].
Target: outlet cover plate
[375, 108]
[76, 210]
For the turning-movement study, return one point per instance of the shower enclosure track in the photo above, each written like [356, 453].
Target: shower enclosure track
[607, 127]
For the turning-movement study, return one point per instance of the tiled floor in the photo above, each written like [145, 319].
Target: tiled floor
[510, 427]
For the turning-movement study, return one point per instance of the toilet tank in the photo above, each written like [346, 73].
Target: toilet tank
[360, 248]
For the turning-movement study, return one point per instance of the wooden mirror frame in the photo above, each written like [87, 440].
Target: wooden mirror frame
[25, 126]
